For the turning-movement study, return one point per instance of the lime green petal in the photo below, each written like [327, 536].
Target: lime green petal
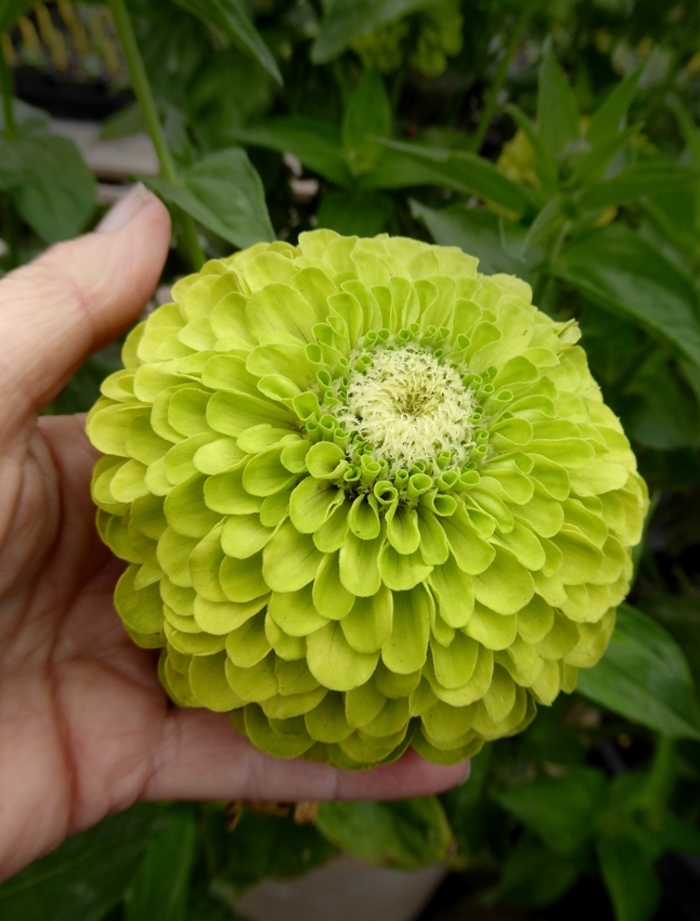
[218, 456]
[233, 413]
[256, 683]
[472, 554]
[445, 724]
[525, 545]
[561, 639]
[142, 442]
[402, 529]
[264, 737]
[327, 722]
[229, 372]
[179, 459]
[368, 625]
[494, 631]
[185, 509]
[548, 684]
[332, 534]
[140, 610]
[291, 705]
[454, 665]
[535, 620]
[552, 477]
[406, 649]
[295, 678]
[279, 308]
[499, 700]
[506, 586]
[393, 684]
[220, 618]
[176, 684]
[290, 559]
[326, 461]
[433, 541]
[187, 411]
[183, 624]
[543, 514]
[359, 569]
[289, 361]
[228, 320]
[193, 644]
[455, 593]
[334, 663]
[363, 518]
[393, 719]
[312, 503]
[173, 553]
[147, 516]
[242, 580]
[226, 495]
[108, 427]
[400, 572]
[581, 559]
[473, 690]
[363, 704]
[248, 644]
[289, 648]
[244, 535]
[265, 475]
[331, 598]
[294, 612]
[209, 685]
[204, 563]
[128, 482]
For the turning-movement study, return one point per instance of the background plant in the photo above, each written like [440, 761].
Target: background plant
[554, 139]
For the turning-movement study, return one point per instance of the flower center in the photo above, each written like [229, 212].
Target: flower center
[408, 408]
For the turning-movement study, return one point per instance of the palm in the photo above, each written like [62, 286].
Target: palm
[85, 728]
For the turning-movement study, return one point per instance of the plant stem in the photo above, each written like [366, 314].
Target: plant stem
[189, 241]
[521, 22]
[6, 92]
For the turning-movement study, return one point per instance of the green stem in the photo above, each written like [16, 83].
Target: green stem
[189, 241]
[521, 22]
[551, 259]
[6, 92]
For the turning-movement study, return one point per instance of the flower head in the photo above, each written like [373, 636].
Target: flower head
[370, 498]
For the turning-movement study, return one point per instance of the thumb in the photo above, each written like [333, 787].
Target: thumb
[75, 298]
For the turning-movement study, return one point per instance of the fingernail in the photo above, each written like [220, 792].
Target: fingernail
[125, 209]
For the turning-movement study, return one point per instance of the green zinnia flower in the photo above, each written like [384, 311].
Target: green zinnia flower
[370, 498]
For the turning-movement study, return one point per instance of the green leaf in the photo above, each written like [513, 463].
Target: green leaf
[406, 834]
[347, 20]
[617, 269]
[86, 876]
[479, 233]
[158, 892]
[644, 676]
[467, 806]
[367, 116]
[361, 213]
[259, 847]
[533, 876]
[11, 10]
[53, 189]
[608, 119]
[317, 144]
[225, 194]
[231, 18]
[557, 109]
[641, 179]
[545, 163]
[561, 811]
[466, 172]
[629, 877]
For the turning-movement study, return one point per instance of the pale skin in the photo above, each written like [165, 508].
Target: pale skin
[85, 728]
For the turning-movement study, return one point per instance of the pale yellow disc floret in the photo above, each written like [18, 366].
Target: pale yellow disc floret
[409, 407]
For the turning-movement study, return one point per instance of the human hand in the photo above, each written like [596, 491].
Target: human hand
[85, 728]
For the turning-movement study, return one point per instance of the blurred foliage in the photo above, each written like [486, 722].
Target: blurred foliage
[568, 155]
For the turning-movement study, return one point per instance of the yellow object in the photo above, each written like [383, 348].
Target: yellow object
[52, 37]
[8, 50]
[30, 39]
